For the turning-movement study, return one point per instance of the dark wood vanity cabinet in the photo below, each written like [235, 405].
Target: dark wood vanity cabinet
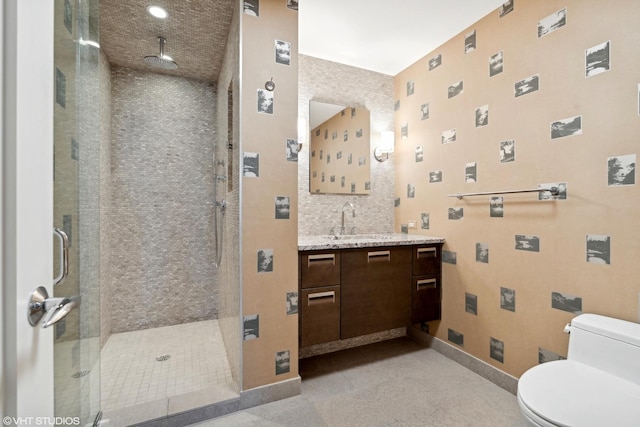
[376, 293]
[319, 297]
[319, 268]
[426, 289]
[319, 315]
[346, 293]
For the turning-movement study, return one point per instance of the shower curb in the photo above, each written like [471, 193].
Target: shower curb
[247, 399]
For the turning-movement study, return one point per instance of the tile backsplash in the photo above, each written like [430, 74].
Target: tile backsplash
[340, 84]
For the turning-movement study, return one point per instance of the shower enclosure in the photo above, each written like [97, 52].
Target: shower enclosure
[141, 189]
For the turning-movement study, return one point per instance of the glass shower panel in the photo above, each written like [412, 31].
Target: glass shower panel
[77, 208]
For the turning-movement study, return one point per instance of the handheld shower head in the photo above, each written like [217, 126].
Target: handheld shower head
[161, 61]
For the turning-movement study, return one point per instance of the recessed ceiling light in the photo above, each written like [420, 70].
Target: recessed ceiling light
[157, 11]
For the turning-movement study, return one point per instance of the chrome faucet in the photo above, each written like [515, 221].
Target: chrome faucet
[353, 211]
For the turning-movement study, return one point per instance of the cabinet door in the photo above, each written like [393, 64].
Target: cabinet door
[320, 315]
[376, 290]
[425, 299]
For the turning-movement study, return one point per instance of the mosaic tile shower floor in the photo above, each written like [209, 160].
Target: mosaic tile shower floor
[144, 366]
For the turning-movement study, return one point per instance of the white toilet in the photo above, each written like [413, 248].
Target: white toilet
[597, 386]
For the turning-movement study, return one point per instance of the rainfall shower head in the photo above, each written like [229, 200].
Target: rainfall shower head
[161, 60]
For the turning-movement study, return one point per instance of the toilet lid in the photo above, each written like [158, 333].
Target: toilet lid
[568, 393]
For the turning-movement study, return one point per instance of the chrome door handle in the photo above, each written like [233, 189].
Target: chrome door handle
[64, 255]
[51, 309]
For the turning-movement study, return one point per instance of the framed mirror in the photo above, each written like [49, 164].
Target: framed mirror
[339, 155]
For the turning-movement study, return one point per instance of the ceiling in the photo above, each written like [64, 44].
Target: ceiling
[386, 36]
[379, 35]
[196, 32]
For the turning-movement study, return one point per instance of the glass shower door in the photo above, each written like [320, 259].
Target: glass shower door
[77, 209]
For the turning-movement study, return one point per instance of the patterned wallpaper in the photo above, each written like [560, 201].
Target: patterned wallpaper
[343, 138]
[535, 95]
[268, 199]
[340, 84]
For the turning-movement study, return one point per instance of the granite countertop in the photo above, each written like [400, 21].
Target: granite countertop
[346, 241]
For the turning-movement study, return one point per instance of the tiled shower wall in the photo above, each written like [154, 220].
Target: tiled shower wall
[67, 148]
[544, 92]
[105, 198]
[76, 174]
[340, 84]
[77, 209]
[87, 240]
[228, 274]
[163, 131]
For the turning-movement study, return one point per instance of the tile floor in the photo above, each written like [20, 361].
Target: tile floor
[393, 383]
[76, 378]
[135, 368]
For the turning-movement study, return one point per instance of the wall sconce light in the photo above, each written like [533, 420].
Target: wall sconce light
[302, 131]
[387, 141]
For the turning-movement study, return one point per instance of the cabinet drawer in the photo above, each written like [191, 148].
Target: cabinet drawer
[319, 268]
[320, 315]
[425, 298]
[426, 260]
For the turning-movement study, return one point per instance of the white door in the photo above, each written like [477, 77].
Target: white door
[43, 369]
[27, 206]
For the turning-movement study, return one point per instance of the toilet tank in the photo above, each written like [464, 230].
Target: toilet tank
[611, 345]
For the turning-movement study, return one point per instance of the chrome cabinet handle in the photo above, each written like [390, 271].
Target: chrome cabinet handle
[427, 284]
[64, 255]
[321, 258]
[426, 252]
[320, 297]
[51, 309]
[378, 256]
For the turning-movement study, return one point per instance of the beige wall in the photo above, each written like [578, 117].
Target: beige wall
[608, 105]
[264, 293]
[340, 84]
